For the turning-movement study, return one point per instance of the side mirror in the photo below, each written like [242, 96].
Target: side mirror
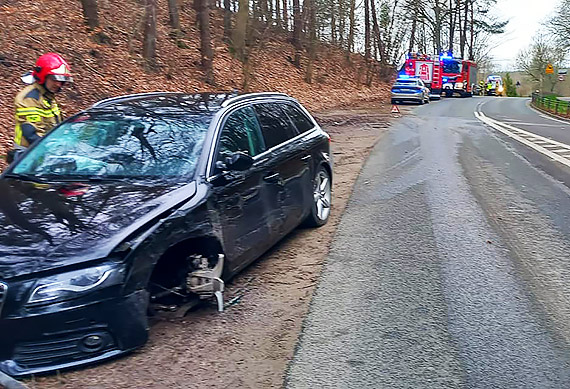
[239, 161]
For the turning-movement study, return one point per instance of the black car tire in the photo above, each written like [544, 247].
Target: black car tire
[322, 192]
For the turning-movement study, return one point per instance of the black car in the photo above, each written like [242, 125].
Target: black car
[146, 200]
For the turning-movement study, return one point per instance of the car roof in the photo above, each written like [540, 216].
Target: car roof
[170, 102]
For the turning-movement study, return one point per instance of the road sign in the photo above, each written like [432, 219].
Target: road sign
[549, 69]
[395, 109]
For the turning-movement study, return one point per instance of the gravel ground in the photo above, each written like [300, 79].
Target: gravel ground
[251, 343]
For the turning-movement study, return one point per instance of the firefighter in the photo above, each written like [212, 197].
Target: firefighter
[37, 111]
[481, 88]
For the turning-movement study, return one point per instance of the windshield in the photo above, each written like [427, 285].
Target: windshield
[116, 145]
[451, 66]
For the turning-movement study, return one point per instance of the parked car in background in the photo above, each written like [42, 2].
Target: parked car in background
[409, 89]
[146, 199]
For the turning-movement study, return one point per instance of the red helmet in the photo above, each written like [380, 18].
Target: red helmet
[51, 64]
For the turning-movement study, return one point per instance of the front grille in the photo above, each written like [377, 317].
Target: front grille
[59, 350]
[3, 293]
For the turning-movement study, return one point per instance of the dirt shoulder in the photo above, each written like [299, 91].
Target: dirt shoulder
[251, 343]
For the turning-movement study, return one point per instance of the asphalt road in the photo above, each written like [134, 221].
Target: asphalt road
[450, 267]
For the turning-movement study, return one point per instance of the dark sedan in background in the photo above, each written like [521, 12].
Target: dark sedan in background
[146, 199]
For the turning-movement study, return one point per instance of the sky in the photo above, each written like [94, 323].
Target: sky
[525, 17]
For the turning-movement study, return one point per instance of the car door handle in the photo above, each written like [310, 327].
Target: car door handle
[306, 157]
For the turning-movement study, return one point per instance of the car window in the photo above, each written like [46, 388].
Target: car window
[275, 125]
[240, 132]
[301, 121]
[112, 144]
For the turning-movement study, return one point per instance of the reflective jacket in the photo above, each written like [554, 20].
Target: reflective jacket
[36, 114]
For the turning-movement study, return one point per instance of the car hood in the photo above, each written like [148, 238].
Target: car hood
[46, 226]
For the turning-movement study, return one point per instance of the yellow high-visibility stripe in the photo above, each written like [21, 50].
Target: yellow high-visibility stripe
[46, 113]
[18, 135]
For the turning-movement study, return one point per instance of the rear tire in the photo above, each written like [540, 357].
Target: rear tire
[322, 193]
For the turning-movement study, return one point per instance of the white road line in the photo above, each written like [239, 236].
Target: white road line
[532, 124]
[499, 127]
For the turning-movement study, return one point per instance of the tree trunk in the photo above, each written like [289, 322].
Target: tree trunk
[149, 43]
[90, 13]
[203, 15]
[227, 20]
[352, 26]
[239, 32]
[341, 22]
[312, 40]
[278, 14]
[414, 25]
[367, 40]
[333, 22]
[472, 33]
[297, 33]
[451, 25]
[464, 30]
[285, 16]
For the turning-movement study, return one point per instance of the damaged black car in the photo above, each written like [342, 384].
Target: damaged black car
[142, 202]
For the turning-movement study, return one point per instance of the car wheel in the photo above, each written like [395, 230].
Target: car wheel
[321, 207]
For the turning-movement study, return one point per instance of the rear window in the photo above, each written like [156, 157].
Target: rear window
[275, 124]
[406, 82]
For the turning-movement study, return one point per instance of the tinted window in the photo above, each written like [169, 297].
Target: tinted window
[275, 125]
[301, 121]
[241, 132]
[115, 144]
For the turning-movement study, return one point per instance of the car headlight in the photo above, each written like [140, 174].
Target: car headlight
[459, 85]
[76, 283]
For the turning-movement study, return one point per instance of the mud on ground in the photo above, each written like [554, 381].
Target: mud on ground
[251, 343]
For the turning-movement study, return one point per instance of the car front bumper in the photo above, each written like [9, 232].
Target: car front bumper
[75, 337]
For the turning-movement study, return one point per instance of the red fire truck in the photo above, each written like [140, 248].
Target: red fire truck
[459, 76]
[443, 74]
[427, 69]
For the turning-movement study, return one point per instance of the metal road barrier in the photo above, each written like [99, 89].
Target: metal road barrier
[551, 104]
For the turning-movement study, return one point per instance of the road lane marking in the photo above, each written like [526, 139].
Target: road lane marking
[523, 137]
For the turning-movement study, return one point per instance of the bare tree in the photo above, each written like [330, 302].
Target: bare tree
[297, 21]
[534, 60]
[240, 30]
[149, 42]
[174, 17]
[559, 25]
[227, 20]
[352, 26]
[312, 39]
[90, 13]
[203, 15]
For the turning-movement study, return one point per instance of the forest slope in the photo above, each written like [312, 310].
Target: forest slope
[29, 28]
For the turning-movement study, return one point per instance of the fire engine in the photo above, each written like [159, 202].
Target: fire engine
[443, 73]
[427, 69]
[458, 76]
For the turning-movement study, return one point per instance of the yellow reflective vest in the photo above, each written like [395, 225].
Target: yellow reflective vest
[35, 106]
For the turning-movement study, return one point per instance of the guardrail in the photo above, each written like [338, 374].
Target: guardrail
[551, 104]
